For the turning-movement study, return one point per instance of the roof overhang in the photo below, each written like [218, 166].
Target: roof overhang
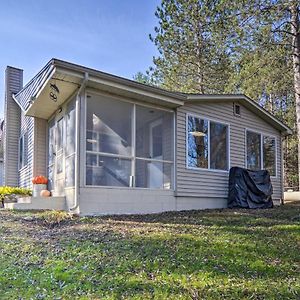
[35, 98]
[249, 104]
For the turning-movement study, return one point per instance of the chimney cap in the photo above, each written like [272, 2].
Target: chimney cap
[11, 67]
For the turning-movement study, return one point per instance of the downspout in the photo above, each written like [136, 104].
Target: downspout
[77, 141]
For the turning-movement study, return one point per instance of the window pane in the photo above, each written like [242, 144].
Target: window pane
[154, 133]
[109, 125]
[92, 143]
[50, 178]
[70, 171]
[109, 171]
[155, 175]
[23, 150]
[197, 142]
[269, 155]
[253, 151]
[59, 164]
[70, 128]
[218, 146]
[51, 149]
[59, 137]
[91, 159]
[21, 157]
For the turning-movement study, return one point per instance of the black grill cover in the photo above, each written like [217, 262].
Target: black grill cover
[249, 189]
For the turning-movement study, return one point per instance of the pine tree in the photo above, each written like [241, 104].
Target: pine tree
[248, 46]
[193, 54]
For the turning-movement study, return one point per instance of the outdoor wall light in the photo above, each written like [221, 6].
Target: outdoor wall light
[197, 133]
[54, 91]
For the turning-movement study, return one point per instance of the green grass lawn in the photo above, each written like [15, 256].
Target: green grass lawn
[219, 254]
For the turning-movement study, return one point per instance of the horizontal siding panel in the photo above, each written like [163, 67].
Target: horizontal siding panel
[26, 173]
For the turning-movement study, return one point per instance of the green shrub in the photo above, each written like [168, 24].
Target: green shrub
[9, 190]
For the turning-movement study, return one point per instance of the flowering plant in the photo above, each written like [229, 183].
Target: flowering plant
[39, 180]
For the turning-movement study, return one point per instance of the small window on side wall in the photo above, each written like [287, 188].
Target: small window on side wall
[23, 150]
[236, 109]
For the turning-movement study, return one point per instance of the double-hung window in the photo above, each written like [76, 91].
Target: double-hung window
[261, 152]
[207, 144]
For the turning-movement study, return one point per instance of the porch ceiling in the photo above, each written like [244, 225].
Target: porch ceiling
[44, 106]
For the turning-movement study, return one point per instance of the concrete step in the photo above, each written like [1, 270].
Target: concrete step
[32, 203]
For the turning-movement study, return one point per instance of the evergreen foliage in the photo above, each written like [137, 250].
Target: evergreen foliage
[248, 46]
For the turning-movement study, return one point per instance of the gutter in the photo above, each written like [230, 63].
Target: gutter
[77, 141]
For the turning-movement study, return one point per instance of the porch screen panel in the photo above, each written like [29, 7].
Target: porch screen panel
[109, 126]
[108, 171]
[154, 148]
[109, 150]
[154, 174]
[51, 153]
[70, 118]
[154, 133]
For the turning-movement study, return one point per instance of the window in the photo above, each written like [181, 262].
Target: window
[128, 145]
[207, 144]
[236, 109]
[261, 152]
[23, 150]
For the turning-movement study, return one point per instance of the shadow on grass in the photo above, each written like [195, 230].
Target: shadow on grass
[284, 214]
[220, 254]
[169, 265]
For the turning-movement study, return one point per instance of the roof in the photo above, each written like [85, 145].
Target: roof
[26, 97]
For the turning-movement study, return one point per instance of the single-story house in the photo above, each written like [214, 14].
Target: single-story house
[110, 145]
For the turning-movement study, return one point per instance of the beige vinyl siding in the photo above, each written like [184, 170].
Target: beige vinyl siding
[13, 83]
[26, 173]
[210, 183]
[36, 129]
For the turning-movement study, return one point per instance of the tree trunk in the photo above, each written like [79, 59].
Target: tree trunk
[296, 69]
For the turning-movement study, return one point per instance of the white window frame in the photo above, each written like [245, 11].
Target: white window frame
[133, 156]
[262, 135]
[24, 153]
[208, 148]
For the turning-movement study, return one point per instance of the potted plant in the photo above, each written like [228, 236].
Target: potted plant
[39, 184]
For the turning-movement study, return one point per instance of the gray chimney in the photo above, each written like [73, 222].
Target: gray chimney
[12, 125]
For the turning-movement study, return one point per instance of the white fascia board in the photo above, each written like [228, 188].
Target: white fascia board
[41, 89]
[134, 90]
